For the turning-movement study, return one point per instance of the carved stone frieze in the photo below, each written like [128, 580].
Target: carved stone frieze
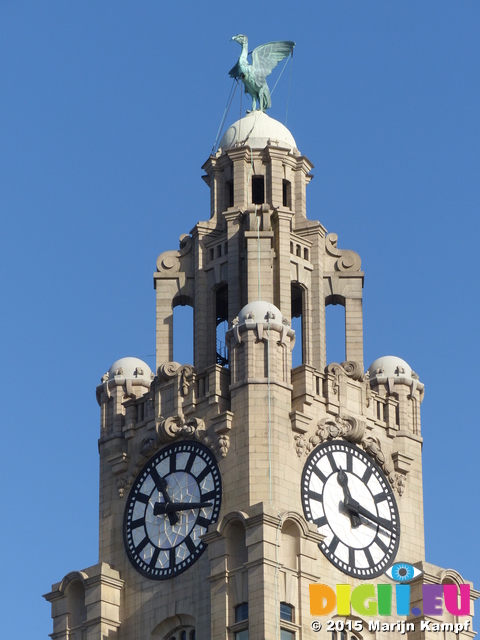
[353, 430]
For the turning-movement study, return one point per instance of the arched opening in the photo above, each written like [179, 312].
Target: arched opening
[335, 329]
[77, 611]
[287, 194]
[237, 554]
[297, 307]
[178, 627]
[182, 332]
[289, 545]
[228, 194]
[258, 190]
[221, 317]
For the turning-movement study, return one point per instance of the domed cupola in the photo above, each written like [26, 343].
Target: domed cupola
[258, 163]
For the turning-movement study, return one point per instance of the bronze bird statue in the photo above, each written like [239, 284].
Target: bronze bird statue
[254, 76]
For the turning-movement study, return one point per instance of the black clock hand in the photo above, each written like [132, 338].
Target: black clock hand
[354, 507]
[169, 507]
[161, 484]
[342, 480]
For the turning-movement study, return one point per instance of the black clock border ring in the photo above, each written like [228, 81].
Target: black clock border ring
[360, 453]
[178, 446]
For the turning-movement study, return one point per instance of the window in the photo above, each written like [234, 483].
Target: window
[241, 612]
[287, 194]
[221, 312]
[286, 612]
[258, 190]
[297, 305]
[241, 615]
[229, 193]
[183, 635]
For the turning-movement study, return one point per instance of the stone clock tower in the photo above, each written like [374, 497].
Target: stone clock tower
[230, 484]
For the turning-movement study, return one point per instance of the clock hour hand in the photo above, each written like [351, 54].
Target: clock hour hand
[160, 508]
[161, 484]
[354, 507]
[342, 480]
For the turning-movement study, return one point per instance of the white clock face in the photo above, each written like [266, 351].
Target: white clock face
[173, 500]
[349, 499]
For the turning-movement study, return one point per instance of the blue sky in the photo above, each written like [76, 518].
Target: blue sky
[108, 111]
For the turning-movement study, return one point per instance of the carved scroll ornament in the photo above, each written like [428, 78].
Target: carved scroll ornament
[346, 260]
[351, 430]
[348, 368]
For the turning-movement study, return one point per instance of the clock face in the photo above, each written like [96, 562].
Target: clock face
[349, 499]
[171, 503]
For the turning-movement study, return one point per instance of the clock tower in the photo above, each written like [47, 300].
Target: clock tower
[230, 484]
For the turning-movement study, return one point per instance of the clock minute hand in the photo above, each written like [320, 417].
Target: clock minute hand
[170, 507]
[342, 480]
[354, 507]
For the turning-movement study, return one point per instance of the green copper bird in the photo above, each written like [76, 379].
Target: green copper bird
[254, 76]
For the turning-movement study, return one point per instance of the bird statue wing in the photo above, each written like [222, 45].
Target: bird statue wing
[266, 57]
[235, 71]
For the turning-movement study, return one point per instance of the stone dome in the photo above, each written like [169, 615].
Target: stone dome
[390, 367]
[130, 368]
[258, 310]
[257, 130]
